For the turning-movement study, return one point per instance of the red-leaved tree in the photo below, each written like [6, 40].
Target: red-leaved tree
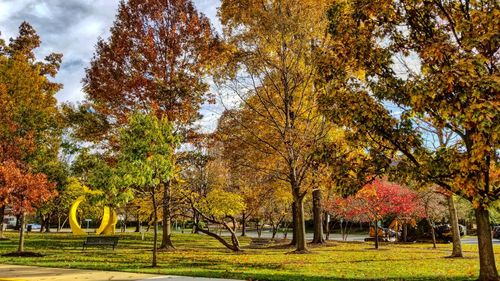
[377, 200]
[24, 192]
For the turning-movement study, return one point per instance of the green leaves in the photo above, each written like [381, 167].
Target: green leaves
[147, 147]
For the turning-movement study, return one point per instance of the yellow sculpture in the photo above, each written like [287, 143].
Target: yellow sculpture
[108, 222]
[110, 227]
[73, 221]
[104, 221]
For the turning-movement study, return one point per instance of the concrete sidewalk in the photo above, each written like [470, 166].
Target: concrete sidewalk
[31, 273]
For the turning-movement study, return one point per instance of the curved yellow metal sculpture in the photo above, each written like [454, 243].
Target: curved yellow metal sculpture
[104, 221]
[108, 222]
[73, 221]
[110, 228]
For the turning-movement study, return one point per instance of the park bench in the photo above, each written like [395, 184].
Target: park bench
[257, 243]
[101, 241]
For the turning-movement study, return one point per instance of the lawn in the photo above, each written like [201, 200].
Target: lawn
[199, 255]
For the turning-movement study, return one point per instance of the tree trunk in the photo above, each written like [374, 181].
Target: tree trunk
[326, 225]
[155, 231]
[259, 228]
[166, 242]
[487, 267]
[47, 222]
[294, 227]
[457, 244]
[2, 214]
[58, 221]
[21, 234]
[234, 246]
[195, 222]
[405, 232]
[433, 233]
[300, 227]
[244, 224]
[18, 222]
[376, 234]
[138, 224]
[42, 223]
[317, 218]
[274, 230]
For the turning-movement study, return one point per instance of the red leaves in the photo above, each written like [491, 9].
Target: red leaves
[24, 192]
[377, 200]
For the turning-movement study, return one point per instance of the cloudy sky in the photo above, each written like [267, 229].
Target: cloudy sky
[72, 27]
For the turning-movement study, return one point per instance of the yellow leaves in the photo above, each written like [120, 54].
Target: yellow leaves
[221, 203]
[360, 74]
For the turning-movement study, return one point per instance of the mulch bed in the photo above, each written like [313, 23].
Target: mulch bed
[23, 254]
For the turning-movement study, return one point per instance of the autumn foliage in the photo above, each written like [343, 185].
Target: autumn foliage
[23, 191]
[377, 200]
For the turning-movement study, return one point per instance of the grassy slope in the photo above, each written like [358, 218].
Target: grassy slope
[198, 255]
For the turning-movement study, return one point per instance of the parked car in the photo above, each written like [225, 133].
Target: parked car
[444, 232]
[32, 226]
[496, 232]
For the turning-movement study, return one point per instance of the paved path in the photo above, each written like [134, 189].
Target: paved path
[31, 273]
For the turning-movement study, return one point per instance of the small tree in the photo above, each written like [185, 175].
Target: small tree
[24, 192]
[379, 199]
[217, 207]
[146, 159]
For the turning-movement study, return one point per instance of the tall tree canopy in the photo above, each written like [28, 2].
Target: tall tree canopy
[437, 61]
[156, 55]
[30, 124]
[270, 68]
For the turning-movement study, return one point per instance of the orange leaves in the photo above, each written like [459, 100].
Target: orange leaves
[24, 191]
[157, 53]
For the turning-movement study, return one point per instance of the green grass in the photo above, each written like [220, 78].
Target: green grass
[198, 255]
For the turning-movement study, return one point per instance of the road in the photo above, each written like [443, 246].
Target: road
[472, 240]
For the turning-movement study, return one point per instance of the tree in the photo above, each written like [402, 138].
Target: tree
[146, 159]
[30, 124]
[269, 67]
[210, 193]
[379, 199]
[24, 192]
[216, 207]
[157, 56]
[433, 202]
[452, 84]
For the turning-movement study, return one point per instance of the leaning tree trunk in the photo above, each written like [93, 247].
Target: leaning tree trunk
[235, 243]
[433, 233]
[487, 267]
[457, 244]
[21, 234]
[2, 214]
[166, 242]
[318, 218]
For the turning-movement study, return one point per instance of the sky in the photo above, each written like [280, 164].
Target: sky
[72, 27]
